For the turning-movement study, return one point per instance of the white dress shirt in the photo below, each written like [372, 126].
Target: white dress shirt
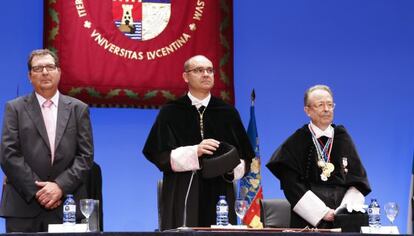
[328, 132]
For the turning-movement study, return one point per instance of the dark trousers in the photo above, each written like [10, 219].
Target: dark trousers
[37, 224]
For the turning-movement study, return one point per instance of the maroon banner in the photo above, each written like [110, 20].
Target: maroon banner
[130, 53]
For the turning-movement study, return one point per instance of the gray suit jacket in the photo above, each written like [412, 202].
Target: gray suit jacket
[25, 153]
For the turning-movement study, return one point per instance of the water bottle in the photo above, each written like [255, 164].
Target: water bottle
[222, 211]
[374, 214]
[69, 210]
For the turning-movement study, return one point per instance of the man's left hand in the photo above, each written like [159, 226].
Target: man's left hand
[49, 194]
[329, 216]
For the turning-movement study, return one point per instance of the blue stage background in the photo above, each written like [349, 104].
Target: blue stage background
[362, 49]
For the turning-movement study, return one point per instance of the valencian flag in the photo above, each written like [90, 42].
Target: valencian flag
[130, 53]
[410, 221]
[250, 185]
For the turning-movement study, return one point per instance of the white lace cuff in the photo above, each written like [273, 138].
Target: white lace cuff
[239, 170]
[311, 208]
[184, 159]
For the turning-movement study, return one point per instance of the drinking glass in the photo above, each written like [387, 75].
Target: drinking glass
[391, 210]
[240, 206]
[86, 207]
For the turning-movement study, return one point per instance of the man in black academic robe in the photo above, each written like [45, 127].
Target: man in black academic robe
[177, 131]
[314, 195]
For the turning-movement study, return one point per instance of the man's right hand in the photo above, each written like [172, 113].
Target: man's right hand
[49, 194]
[207, 146]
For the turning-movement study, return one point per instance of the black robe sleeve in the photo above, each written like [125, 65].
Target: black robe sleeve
[290, 163]
[160, 142]
[244, 146]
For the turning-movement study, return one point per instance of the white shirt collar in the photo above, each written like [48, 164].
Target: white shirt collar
[54, 99]
[197, 102]
[328, 132]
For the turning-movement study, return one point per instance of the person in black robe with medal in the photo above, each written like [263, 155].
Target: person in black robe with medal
[185, 132]
[318, 166]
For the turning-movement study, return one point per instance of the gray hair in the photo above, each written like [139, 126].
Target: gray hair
[316, 87]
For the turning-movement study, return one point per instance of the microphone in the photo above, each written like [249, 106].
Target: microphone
[184, 227]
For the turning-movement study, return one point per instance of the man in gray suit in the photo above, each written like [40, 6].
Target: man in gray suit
[46, 150]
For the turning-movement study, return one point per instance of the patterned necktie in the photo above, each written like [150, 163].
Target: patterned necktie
[50, 125]
[200, 111]
[323, 139]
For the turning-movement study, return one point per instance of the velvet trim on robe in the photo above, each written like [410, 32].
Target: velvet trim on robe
[177, 125]
[294, 163]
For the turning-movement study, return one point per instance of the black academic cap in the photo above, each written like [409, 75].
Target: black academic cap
[223, 160]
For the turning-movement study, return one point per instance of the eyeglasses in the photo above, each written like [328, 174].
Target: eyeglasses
[49, 68]
[322, 105]
[201, 70]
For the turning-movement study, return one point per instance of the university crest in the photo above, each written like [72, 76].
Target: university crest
[141, 19]
[129, 53]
